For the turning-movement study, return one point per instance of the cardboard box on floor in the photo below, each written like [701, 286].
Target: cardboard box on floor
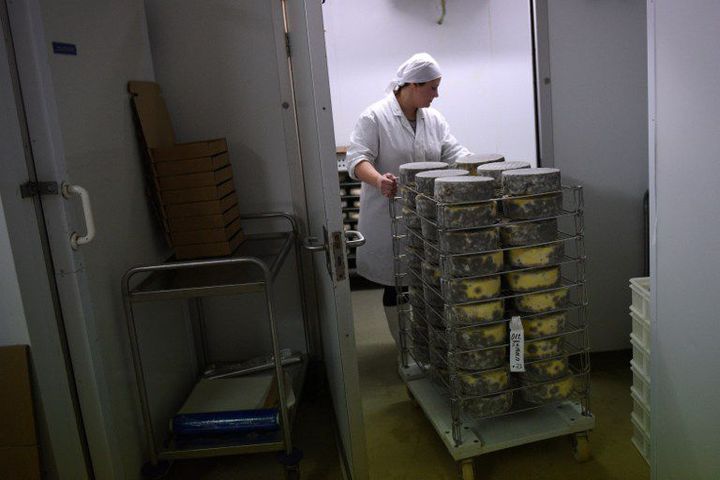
[19, 454]
[191, 180]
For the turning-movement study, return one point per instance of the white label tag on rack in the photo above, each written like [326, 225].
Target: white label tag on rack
[517, 345]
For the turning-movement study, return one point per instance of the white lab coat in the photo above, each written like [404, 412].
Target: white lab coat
[384, 137]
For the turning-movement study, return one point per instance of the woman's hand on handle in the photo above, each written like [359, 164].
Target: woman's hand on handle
[387, 184]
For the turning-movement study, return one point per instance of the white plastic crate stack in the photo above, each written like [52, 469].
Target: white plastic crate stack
[640, 364]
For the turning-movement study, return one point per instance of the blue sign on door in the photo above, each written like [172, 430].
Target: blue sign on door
[64, 48]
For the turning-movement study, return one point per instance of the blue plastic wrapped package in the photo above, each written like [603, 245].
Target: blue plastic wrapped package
[261, 420]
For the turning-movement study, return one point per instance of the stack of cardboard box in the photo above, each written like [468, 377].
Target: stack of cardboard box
[19, 456]
[194, 191]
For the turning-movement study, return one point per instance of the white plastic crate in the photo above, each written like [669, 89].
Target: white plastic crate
[641, 383]
[640, 287]
[641, 355]
[640, 438]
[640, 328]
[641, 410]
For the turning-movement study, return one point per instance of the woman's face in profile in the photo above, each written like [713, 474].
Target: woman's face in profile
[424, 94]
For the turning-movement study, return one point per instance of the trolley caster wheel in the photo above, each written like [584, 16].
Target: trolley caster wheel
[410, 395]
[467, 470]
[150, 471]
[581, 447]
[292, 473]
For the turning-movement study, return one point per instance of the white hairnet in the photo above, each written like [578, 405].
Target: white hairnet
[419, 68]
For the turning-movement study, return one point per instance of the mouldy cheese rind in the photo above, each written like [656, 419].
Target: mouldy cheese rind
[527, 208]
[487, 406]
[481, 336]
[425, 181]
[532, 280]
[472, 162]
[544, 370]
[484, 383]
[411, 220]
[426, 207]
[536, 256]
[544, 325]
[472, 289]
[495, 170]
[467, 216]
[549, 392]
[409, 170]
[429, 231]
[469, 241]
[464, 189]
[542, 301]
[531, 181]
[469, 265]
[529, 233]
[475, 313]
[539, 349]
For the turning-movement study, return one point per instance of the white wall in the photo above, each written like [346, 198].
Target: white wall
[484, 50]
[217, 67]
[599, 112]
[13, 327]
[686, 258]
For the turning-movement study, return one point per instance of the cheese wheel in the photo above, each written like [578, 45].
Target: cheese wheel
[353, 215]
[544, 325]
[531, 181]
[462, 290]
[433, 299]
[532, 280]
[536, 256]
[410, 218]
[469, 241]
[409, 170]
[488, 406]
[415, 238]
[431, 274]
[481, 359]
[413, 258]
[484, 383]
[469, 265]
[495, 170]
[529, 233]
[408, 197]
[420, 353]
[542, 302]
[464, 189]
[426, 207]
[432, 253]
[544, 370]
[537, 349]
[472, 162]
[527, 208]
[429, 230]
[467, 216]
[355, 191]
[475, 313]
[549, 392]
[481, 337]
[425, 181]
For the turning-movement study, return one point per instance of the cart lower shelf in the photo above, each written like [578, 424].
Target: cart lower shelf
[493, 434]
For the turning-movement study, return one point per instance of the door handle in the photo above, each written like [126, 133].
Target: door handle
[354, 239]
[75, 238]
[313, 244]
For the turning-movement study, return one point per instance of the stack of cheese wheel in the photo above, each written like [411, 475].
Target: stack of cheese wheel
[418, 328]
[531, 194]
[469, 242]
[472, 162]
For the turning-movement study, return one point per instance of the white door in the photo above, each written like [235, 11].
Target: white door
[319, 170]
[41, 323]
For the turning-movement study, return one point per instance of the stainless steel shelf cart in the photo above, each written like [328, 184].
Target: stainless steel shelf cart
[253, 268]
[470, 418]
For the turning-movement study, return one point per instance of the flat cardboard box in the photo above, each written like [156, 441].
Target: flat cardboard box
[197, 209]
[17, 420]
[213, 235]
[183, 151]
[202, 194]
[195, 180]
[20, 463]
[219, 220]
[191, 165]
[219, 249]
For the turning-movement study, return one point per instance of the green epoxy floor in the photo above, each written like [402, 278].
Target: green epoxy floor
[402, 445]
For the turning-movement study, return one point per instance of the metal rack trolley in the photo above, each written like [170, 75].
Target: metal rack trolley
[252, 270]
[441, 398]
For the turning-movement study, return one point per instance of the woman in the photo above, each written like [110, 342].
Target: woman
[401, 128]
